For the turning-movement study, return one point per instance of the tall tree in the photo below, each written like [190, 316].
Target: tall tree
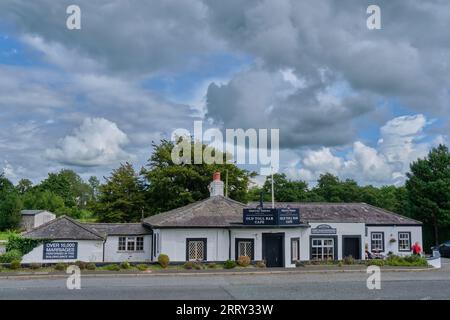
[10, 205]
[121, 198]
[170, 185]
[428, 187]
[286, 190]
[24, 185]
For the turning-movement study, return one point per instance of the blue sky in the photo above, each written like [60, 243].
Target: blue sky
[359, 103]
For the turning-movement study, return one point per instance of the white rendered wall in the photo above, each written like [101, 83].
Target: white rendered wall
[88, 251]
[392, 232]
[43, 217]
[112, 253]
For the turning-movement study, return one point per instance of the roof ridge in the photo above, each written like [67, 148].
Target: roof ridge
[79, 224]
[393, 213]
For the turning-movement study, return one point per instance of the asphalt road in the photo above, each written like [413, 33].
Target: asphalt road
[433, 284]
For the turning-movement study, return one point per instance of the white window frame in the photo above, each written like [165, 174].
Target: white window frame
[295, 252]
[129, 243]
[401, 241]
[324, 253]
[190, 241]
[378, 241]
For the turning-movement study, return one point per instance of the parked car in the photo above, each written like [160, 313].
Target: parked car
[444, 249]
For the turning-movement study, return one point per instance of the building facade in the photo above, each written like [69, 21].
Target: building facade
[218, 229]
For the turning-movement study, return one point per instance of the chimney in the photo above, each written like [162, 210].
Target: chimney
[216, 186]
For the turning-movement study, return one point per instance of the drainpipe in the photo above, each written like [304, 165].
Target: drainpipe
[104, 242]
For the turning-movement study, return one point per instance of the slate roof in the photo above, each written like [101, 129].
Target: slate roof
[64, 228]
[344, 212]
[219, 211]
[117, 229]
[216, 211]
[32, 212]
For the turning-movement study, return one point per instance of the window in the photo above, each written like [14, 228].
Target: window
[322, 249]
[196, 249]
[245, 247]
[404, 241]
[295, 250]
[377, 241]
[131, 243]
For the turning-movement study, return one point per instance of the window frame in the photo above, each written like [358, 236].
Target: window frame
[205, 248]
[129, 240]
[324, 237]
[292, 250]
[236, 247]
[409, 241]
[382, 240]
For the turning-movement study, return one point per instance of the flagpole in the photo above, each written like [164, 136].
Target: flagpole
[273, 194]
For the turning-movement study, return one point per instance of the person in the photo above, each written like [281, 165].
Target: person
[416, 249]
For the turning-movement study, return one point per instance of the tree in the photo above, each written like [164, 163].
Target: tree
[328, 187]
[286, 190]
[24, 185]
[10, 205]
[36, 199]
[170, 185]
[121, 198]
[428, 188]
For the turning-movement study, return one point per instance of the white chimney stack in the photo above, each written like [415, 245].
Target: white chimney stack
[216, 186]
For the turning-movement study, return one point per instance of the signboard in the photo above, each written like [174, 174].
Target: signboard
[260, 216]
[323, 229]
[288, 216]
[60, 250]
[271, 217]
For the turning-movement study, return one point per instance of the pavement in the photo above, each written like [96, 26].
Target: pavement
[425, 285]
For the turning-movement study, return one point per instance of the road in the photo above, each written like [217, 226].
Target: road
[433, 284]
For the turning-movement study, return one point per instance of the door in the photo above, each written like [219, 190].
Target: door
[273, 249]
[351, 247]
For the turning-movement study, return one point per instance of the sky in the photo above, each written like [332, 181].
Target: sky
[359, 103]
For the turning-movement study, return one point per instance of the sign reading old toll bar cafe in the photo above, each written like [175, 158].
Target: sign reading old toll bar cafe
[271, 217]
[60, 250]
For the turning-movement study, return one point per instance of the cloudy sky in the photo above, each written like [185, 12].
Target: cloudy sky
[359, 103]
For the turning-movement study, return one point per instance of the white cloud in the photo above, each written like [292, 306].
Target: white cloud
[96, 142]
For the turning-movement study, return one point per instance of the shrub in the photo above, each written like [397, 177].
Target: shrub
[340, 264]
[142, 267]
[408, 261]
[375, 262]
[163, 260]
[35, 266]
[260, 264]
[15, 264]
[243, 261]
[112, 267]
[81, 264]
[229, 264]
[211, 265]
[125, 265]
[60, 267]
[299, 264]
[198, 266]
[189, 265]
[91, 266]
[24, 245]
[349, 260]
[10, 256]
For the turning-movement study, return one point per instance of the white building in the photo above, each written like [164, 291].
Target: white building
[219, 229]
[34, 218]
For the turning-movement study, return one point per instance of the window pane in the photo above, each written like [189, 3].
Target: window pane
[140, 243]
[122, 242]
[196, 250]
[130, 244]
[245, 248]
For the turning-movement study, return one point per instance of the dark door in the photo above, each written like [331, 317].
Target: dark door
[273, 249]
[352, 247]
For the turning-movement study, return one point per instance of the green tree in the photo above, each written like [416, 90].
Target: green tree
[121, 198]
[286, 190]
[36, 199]
[328, 187]
[10, 205]
[24, 185]
[170, 185]
[428, 187]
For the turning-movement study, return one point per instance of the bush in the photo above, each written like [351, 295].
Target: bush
[198, 266]
[112, 267]
[91, 266]
[10, 256]
[189, 265]
[23, 245]
[142, 267]
[348, 260]
[35, 266]
[163, 260]
[340, 264]
[211, 265]
[408, 261]
[229, 264]
[81, 264]
[375, 262]
[15, 264]
[260, 264]
[243, 261]
[125, 265]
[60, 267]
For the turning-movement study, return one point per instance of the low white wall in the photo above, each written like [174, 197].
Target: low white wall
[88, 251]
[112, 253]
[392, 232]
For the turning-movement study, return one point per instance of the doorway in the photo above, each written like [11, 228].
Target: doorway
[351, 246]
[273, 249]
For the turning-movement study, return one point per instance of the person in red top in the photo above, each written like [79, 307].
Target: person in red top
[416, 248]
